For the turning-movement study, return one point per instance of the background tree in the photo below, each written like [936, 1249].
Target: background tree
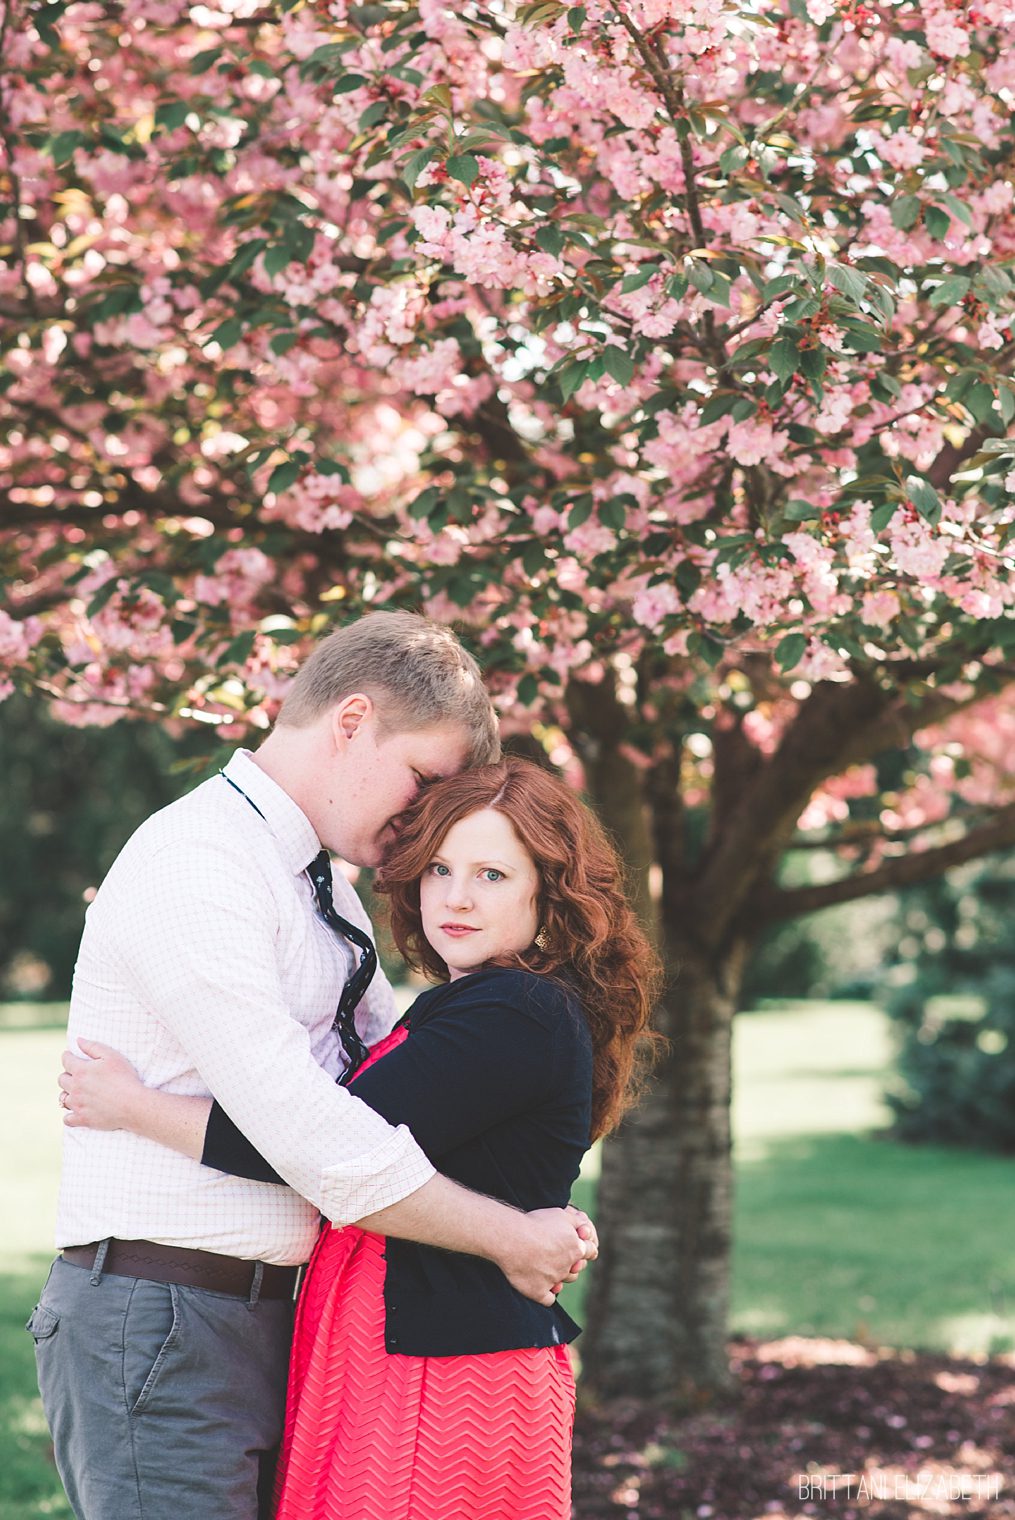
[663, 344]
[952, 992]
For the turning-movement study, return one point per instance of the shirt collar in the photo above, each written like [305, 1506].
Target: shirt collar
[293, 832]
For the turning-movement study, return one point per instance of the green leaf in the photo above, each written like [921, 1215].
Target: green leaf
[937, 222]
[464, 168]
[528, 689]
[636, 281]
[203, 61]
[350, 82]
[979, 399]
[239, 649]
[416, 163]
[950, 291]
[798, 510]
[924, 498]
[424, 503]
[886, 387]
[228, 332]
[105, 592]
[550, 240]
[283, 476]
[576, 18]
[372, 115]
[700, 276]
[243, 260]
[1006, 397]
[570, 377]
[619, 364]
[790, 650]
[172, 114]
[613, 514]
[533, 558]
[282, 342]
[882, 515]
[784, 358]
[813, 363]
[905, 212]
[847, 282]
[717, 405]
[720, 290]
[580, 512]
[276, 259]
[958, 208]
[688, 578]
[732, 158]
[710, 649]
[861, 339]
[62, 146]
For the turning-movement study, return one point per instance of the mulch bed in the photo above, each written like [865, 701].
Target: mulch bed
[815, 1428]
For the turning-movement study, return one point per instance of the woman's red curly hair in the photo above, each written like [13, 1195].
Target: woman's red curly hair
[592, 939]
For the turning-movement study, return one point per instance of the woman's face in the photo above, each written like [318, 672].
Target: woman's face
[478, 896]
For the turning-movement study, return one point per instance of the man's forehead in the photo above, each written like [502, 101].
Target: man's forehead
[440, 751]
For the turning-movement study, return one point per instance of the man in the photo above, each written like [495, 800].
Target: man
[162, 1332]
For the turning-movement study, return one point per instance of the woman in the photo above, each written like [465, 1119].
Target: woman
[422, 1385]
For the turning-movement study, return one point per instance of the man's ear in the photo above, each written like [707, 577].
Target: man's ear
[349, 716]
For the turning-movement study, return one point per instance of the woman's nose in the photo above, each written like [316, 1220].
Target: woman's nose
[458, 895]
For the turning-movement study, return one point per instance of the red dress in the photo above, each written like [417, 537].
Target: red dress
[374, 1436]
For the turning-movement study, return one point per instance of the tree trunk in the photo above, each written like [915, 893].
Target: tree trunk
[656, 1323]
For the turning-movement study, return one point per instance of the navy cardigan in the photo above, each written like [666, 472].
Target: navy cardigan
[495, 1082]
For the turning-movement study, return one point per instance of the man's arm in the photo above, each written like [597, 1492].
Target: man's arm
[535, 1251]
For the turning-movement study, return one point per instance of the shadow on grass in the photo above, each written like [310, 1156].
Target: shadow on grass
[865, 1238]
[29, 1484]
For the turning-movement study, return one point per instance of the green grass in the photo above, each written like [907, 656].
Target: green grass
[841, 1233]
[838, 1233]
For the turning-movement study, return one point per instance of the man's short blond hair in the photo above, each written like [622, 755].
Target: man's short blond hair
[414, 669]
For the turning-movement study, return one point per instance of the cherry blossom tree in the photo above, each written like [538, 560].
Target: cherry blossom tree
[663, 345]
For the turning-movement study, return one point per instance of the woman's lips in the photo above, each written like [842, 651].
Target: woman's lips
[457, 931]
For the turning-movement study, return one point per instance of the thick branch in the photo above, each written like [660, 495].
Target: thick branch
[838, 726]
[901, 871]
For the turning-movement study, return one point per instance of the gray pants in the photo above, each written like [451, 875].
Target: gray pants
[165, 1403]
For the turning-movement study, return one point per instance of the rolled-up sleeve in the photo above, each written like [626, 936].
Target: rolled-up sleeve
[211, 975]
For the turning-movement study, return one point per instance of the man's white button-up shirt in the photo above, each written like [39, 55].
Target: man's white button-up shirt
[204, 960]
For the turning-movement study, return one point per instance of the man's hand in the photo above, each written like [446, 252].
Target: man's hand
[550, 1247]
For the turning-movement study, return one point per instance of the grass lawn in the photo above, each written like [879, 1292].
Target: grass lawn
[838, 1233]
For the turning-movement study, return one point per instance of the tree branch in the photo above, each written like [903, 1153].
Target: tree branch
[901, 871]
[837, 726]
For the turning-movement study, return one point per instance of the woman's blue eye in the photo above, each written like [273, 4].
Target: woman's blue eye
[493, 875]
[438, 869]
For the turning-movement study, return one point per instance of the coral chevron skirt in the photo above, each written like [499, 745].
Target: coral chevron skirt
[372, 1436]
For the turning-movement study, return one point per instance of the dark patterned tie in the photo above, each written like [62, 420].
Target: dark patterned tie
[319, 871]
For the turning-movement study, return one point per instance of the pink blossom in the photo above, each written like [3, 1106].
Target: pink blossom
[901, 149]
[654, 604]
[753, 441]
[880, 608]
[591, 538]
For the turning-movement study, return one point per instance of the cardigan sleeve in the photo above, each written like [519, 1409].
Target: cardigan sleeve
[487, 1054]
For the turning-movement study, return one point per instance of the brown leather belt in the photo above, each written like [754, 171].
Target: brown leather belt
[189, 1268]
